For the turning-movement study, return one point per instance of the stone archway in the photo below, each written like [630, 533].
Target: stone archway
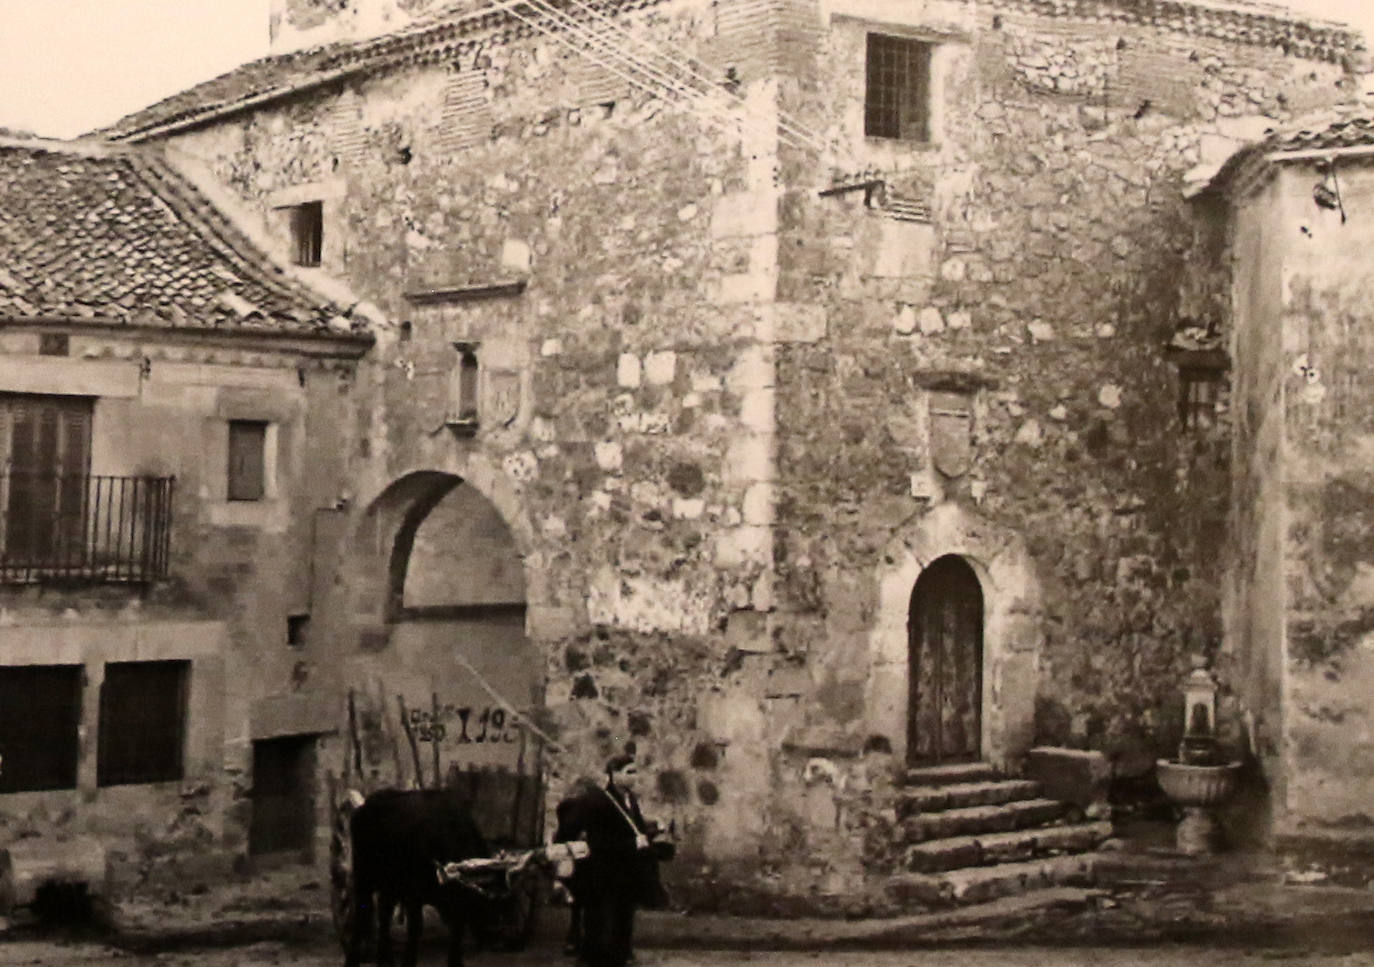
[1012, 630]
[431, 621]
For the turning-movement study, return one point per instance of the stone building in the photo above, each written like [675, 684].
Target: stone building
[783, 387]
[1296, 208]
[166, 396]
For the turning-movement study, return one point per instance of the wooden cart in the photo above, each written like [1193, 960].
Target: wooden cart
[507, 807]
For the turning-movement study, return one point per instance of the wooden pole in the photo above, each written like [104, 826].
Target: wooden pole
[414, 746]
[434, 737]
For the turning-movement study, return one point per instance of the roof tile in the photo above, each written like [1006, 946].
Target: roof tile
[109, 232]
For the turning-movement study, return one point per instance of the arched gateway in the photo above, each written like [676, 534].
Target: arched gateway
[440, 653]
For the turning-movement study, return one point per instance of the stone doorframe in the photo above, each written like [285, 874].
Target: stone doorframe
[1012, 628]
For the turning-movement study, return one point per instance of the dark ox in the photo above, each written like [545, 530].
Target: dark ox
[400, 838]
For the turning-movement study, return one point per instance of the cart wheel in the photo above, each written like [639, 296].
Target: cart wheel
[522, 910]
[341, 898]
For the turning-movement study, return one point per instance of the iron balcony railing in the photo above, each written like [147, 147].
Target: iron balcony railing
[84, 528]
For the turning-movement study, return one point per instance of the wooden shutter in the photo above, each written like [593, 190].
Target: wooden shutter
[142, 722]
[48, 464]
[247, 465]
[40, 713]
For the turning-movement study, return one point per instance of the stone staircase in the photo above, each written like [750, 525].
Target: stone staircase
[968, 835]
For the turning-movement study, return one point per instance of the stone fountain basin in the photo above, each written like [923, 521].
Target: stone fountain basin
[1193, 785]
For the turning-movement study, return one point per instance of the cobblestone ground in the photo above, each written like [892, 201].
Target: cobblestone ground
[82, 954]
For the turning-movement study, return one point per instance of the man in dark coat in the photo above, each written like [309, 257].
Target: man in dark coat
[615, 876]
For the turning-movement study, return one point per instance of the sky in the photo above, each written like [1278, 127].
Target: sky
[68, 66]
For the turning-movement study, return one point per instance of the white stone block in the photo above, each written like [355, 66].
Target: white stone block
[904, 323]
[744, 545]
[931, 321]
[628, 371]
[608, 455]
[756, 410]
[758, 506]
[688, 508]
[753, 369]
[660, 367]
[744, 287]
[749, 458]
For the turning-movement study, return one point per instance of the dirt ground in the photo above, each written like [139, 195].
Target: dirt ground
[36, 953]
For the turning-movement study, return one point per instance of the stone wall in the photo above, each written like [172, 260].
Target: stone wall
[1056, 262]
[632, 465]
[714, 446]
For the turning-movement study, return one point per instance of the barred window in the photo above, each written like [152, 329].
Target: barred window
[1198, 392]
[897, 96]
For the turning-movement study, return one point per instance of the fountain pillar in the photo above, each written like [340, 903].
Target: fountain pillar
[1201, 780]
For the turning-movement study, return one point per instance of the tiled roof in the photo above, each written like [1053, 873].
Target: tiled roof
[441, 35]
[109, 234]
[451, 30]
[1349, 126]
[1352, 127]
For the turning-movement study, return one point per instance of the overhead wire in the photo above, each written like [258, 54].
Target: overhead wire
[683, 59]
[691, 97]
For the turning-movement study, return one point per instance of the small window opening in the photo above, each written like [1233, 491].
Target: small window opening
[297, 630]
[307, 232]
[463, 387]
[1198, 393]
[897, 95]
[54, 344]
[247, 460]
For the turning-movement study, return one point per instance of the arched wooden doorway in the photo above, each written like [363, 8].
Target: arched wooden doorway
[945, 654]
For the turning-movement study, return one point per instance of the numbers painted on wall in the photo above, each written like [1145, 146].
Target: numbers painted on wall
[490, 724]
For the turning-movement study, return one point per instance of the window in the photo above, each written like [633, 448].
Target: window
[40, 714]
[142, 722]
[307, 232]
[45, 452]
[897, 96]
[297, 630]
[54, 344]
[1197, 396]
[247, 459]
[462, 389]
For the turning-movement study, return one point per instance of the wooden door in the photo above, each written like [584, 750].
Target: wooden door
[283, 795]
[945, 642]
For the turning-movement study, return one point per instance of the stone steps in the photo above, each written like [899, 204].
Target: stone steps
[957, 795]
[951, 773]
[981, 884]
[968, 820]
[1019, 845]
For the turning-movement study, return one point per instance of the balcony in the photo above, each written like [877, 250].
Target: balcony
[84, 529]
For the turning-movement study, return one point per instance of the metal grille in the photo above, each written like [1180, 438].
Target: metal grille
[89, 529]
[897, 98]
